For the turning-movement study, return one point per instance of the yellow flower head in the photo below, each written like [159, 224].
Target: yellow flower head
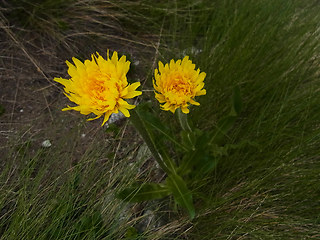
[176, 84]
[99, 86]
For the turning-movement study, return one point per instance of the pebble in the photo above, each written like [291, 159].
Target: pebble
[114, 118]
[46, 143]
[136, 63]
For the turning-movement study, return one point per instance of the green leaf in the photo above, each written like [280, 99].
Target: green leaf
[205, 164]
[223, 150]
[144, 192]
[167, 160]
[199, 161]
[156, 123]
[189, 139]
[146, 133]
[181, 193]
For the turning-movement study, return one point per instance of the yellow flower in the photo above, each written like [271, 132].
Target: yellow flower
[177, 84]
[99, 86]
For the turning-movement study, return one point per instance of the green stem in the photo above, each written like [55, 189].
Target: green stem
[183, 120]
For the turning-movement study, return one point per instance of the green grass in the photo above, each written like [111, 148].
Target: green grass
[59, 193]
[270, 50]
[267, 188]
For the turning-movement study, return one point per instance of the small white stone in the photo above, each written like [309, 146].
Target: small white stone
[114, 117]
[21, 110]
[136, 63]
[46, 143]
[83, 135]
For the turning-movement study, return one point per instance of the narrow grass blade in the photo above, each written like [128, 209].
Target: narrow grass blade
[144, 192]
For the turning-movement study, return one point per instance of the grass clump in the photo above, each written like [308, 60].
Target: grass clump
[265, 188]
[51, 193]
[39, 15]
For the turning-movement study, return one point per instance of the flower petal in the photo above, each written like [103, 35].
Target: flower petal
[129, 92]
[124, 111]
[132, 94]
[72, 71]
[161, 66]
[185, 110]
[202, 92]
[194, 102]
[91, 119]
[160, 98]
[106, 117]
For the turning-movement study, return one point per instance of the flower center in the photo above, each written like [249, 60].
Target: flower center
[96, 86]
[101, 88]
[179, 85]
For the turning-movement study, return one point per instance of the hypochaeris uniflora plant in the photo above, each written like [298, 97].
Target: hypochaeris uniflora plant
[177, 84]
[99, 86]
